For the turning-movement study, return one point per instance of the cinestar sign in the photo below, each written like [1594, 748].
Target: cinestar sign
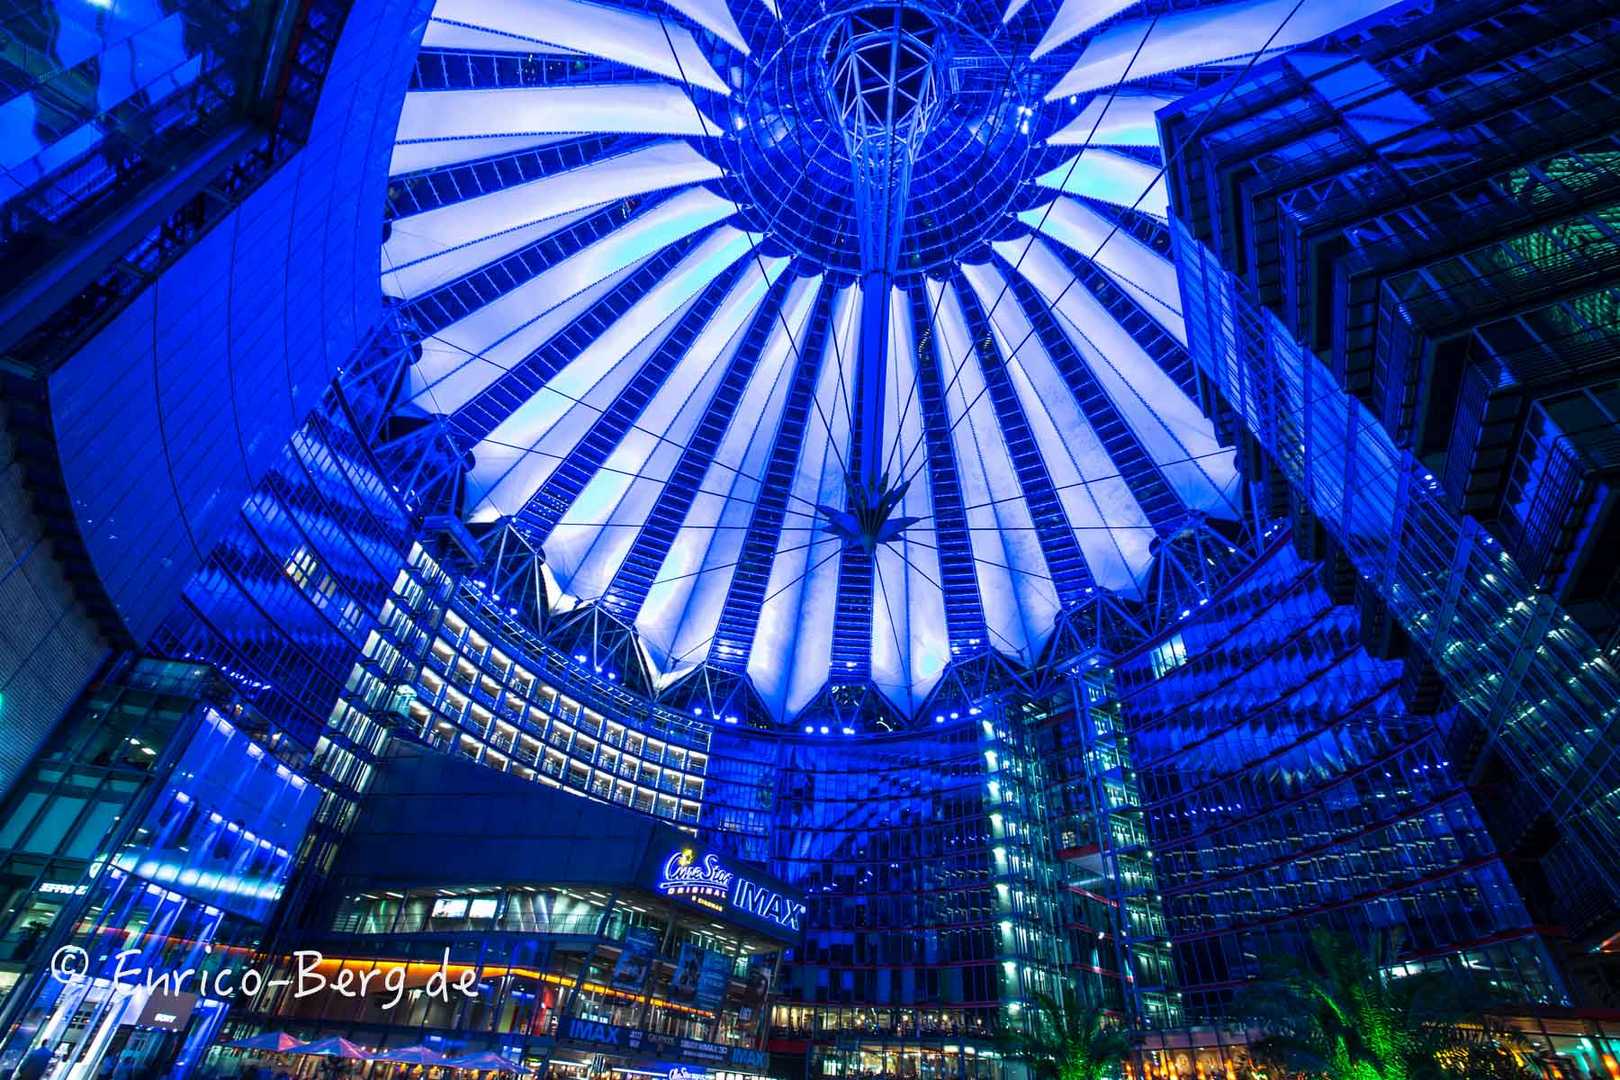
[685, 875]
[711, 884]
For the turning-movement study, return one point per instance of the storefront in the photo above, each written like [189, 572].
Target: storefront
[560, 932]
[853, 1059]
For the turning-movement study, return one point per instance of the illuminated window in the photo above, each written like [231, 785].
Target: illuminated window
[1169, 655]
[301, 566]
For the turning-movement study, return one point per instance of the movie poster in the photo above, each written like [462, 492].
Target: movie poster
[761, 968]
[714, 973]
[683, 985]
[635, 958]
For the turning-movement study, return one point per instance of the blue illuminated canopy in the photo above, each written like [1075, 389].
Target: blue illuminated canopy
[823, 345]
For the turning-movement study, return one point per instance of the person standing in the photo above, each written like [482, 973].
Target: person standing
[36, 1063]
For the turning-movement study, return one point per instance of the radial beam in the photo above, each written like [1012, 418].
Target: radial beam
[958, 579]
[495, 222]
[1071, 576]
[1149, 277]
[636, 574]
[1154, 494]
[643, 108]
[639, 40]
[560, 490]
[740, 615]
[530, 401]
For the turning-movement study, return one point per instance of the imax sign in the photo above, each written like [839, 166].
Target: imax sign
[709, 882]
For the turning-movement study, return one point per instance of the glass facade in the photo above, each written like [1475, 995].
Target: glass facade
[1284, 785]
[155, 833]
[469, 678]
[933, 919]
[1287, 342]
[1547, 695]
[290, 595]
[99, 101]
[1118, 946]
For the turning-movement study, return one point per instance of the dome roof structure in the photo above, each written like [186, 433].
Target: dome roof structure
[820, 342]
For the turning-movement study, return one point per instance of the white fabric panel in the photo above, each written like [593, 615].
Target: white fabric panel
[1205, 36]
[1127, 120]
[443, 34]
[1171, 427]
[1114, 535]
[628, 37]
[502, 217]
[502, 477]
[1149, 277]
[432, 153]
[653, 108]
[715, 16]
[792, 644]
[683, 608]
[1020, 603]
[501, 333]
[671, 220]
[451, 373]
[910, 640]
[427, 274]
[1115, 178]
[1074, 18]
[575, 420]
[596, 532]
[517, 463]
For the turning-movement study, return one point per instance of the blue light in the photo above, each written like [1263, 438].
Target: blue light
[978, 154]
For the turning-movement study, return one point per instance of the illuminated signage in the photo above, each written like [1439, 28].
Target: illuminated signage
[167, 1012]
[685, 875]
[708, 883]
[63, 889]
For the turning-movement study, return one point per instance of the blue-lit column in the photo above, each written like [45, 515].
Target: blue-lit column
[882, 81]
[1121, 836]
[1022, 869]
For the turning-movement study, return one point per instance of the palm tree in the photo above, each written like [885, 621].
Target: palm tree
[1341, 1015]
[1068, 1042]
